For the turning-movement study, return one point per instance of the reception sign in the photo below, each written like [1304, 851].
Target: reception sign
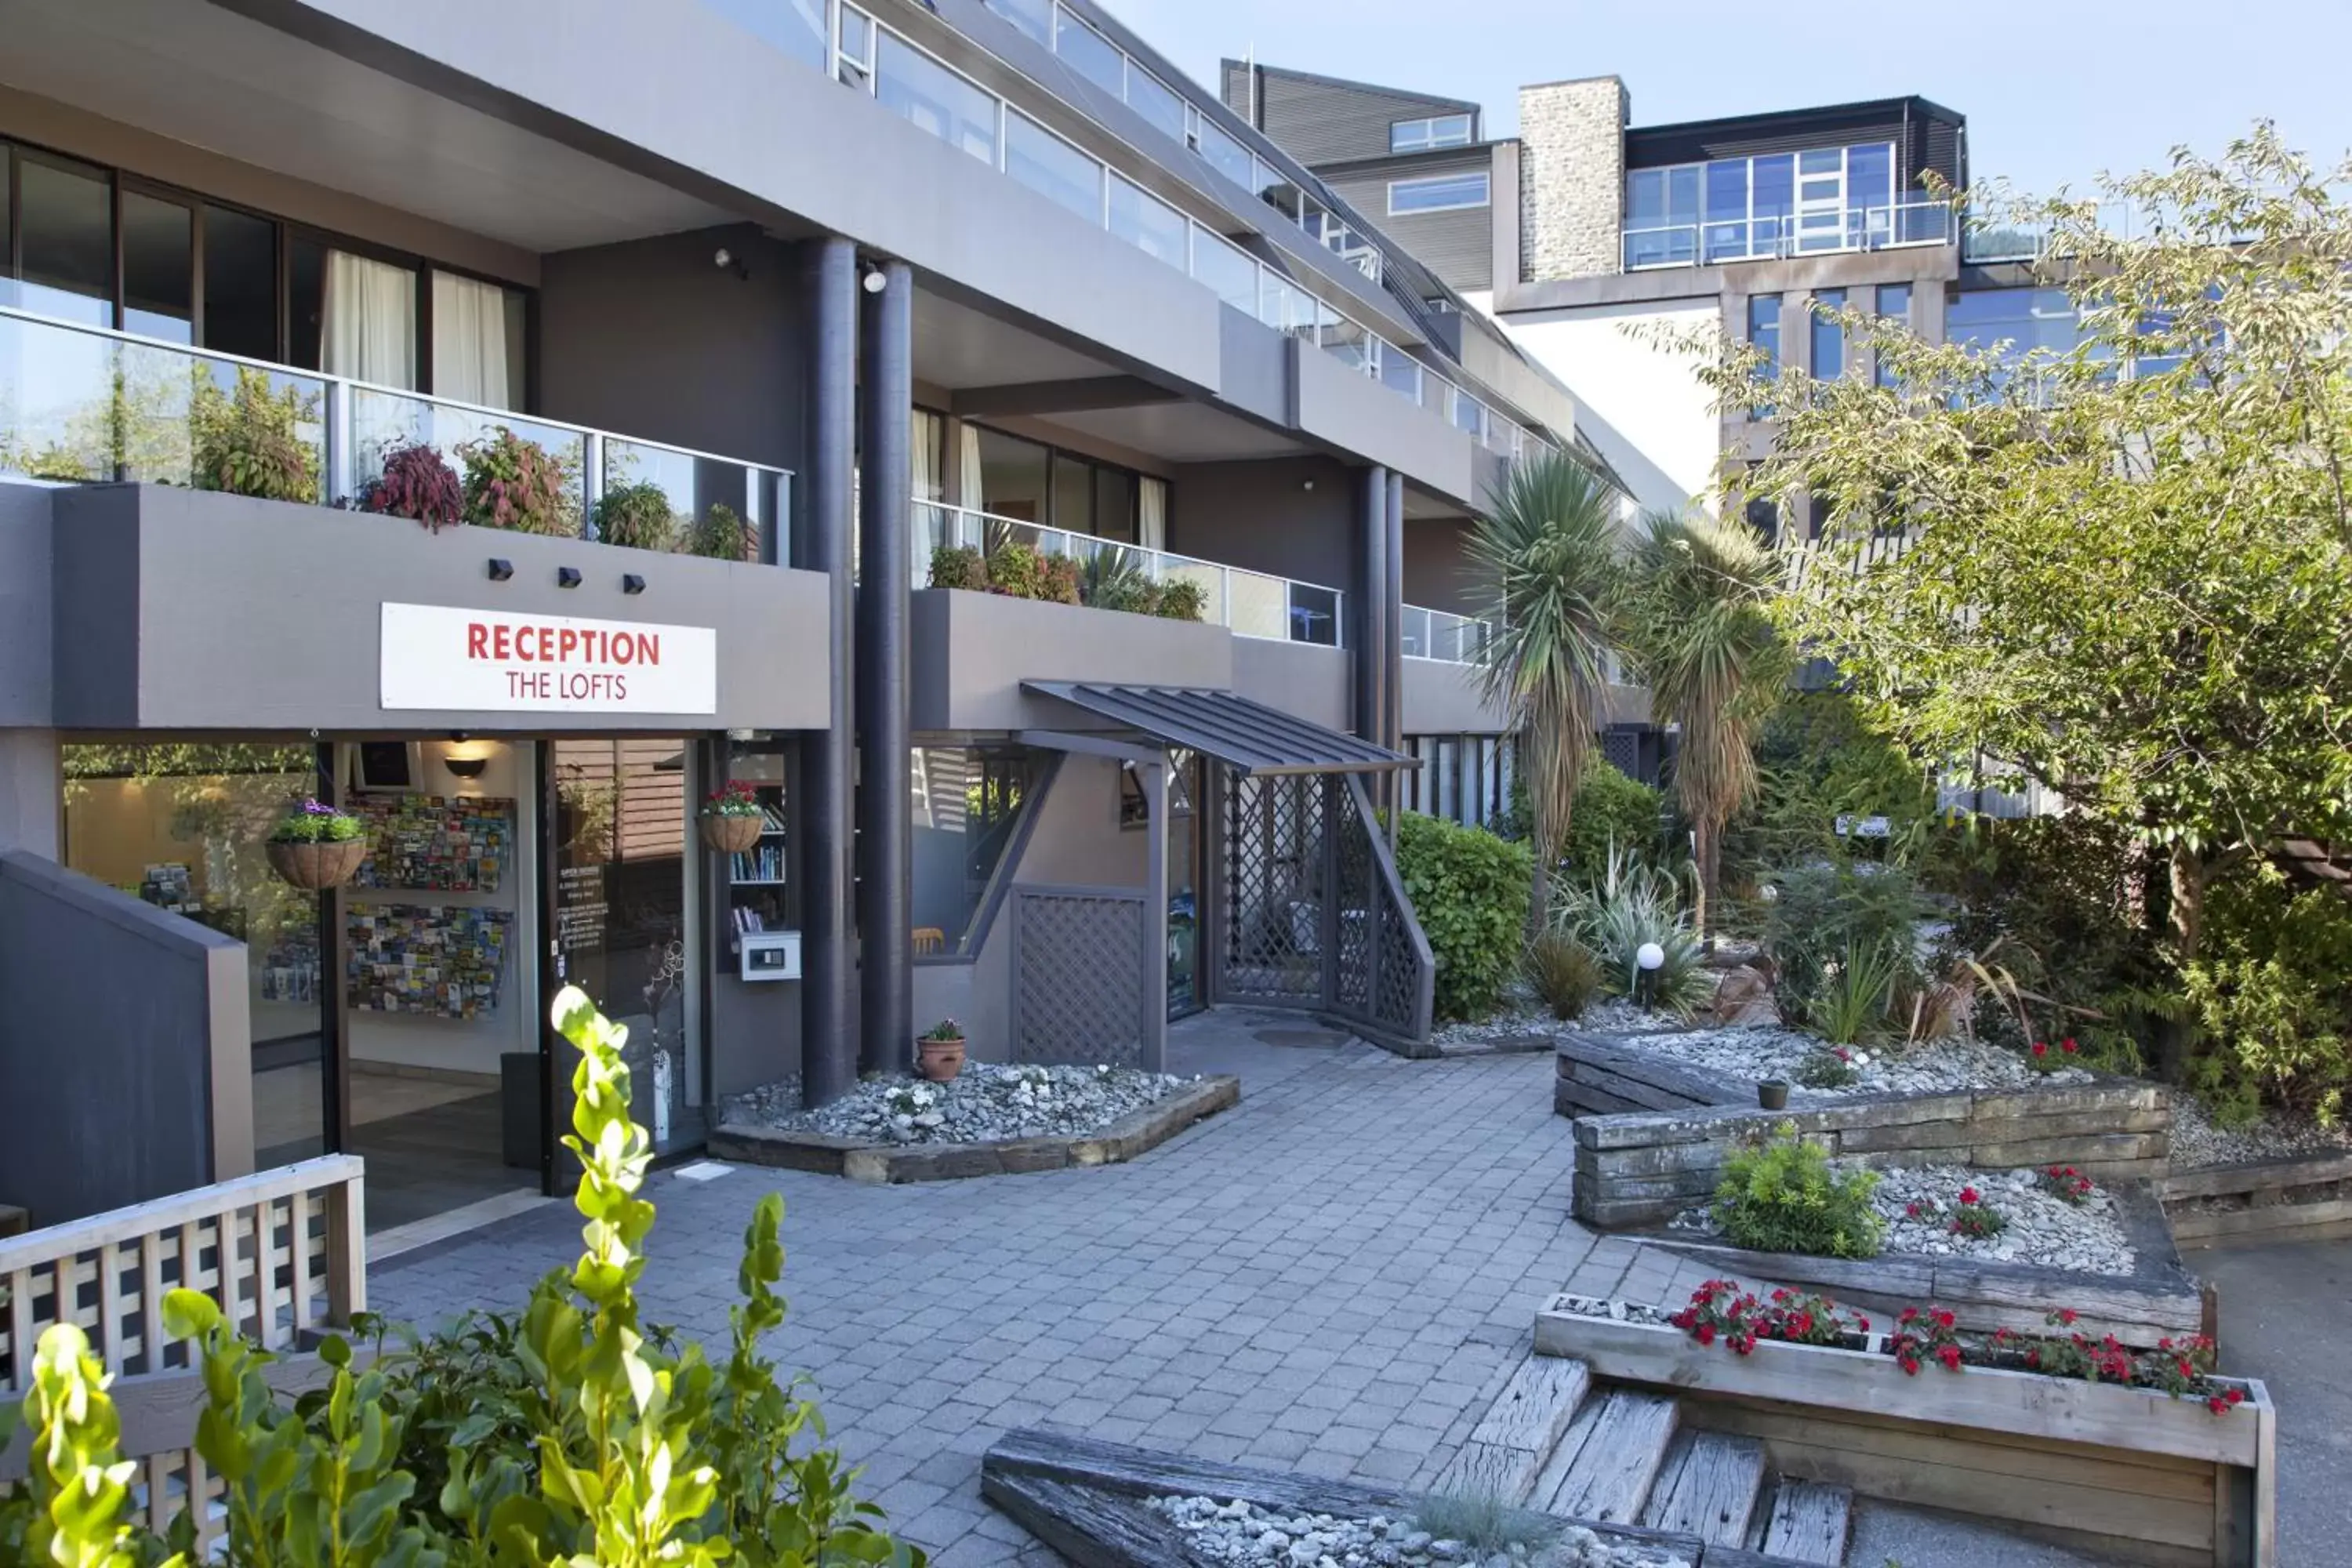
[434, 657]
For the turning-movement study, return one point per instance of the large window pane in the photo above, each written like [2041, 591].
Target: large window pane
[159, 267]
[352, 316]
[1726, 190]
[1764, 328]
[1225, 153]
[1151, 97]
[1074, 494]
[1869, 175]
[1115, 508]
[935, 97]
[966, 808]
[1011, 476]
[1146, 222]
[1052, 167]
[1828, 336]
[66, 213]
[1894, 306]
[1090, 53]
[1439, 192]
[476, 347]
[240, 283]
[1225, 267]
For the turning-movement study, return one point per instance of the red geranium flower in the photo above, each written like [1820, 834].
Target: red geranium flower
[2039, 1048]
[2068, 1046]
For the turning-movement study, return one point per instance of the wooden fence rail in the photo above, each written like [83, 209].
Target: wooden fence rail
[283, 1252]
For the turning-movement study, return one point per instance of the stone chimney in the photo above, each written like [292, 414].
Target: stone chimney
[1571, 178]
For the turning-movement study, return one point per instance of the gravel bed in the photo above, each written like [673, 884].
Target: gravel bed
[2197, 1143]
[2042, 1229]
[1751, 1053]
[1522, 1014]
[984, 1103]
[1243, 1535]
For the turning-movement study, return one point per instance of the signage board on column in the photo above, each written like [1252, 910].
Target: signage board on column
[439, 657]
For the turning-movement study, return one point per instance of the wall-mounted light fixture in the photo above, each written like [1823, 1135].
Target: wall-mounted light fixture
[466, 767]
[501, 570]
[876, 279]
[726, 260]
[632, 584]
[567, 576]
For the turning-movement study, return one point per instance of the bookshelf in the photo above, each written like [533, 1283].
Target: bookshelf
[757, 892]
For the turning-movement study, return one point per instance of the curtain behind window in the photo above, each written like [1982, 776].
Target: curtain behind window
[367, 328]
[926, 461]
[469, 343]
[1151, 513]
[973, 486]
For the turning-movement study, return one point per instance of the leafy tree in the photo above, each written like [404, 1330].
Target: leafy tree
[1702, 633]
[1548, 543]
[2122, 568]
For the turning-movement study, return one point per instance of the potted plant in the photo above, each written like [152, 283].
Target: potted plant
[938, 1053]
[722, 533]
[732, 819]
[515, 484]
[637, 516]
[315, 846]
[248, 441]
[417, 483]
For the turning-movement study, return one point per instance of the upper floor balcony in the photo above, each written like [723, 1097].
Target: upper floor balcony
[1782, 235]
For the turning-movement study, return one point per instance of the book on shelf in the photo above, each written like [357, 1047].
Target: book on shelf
[771, 819]
[749, 922]
[763, 864]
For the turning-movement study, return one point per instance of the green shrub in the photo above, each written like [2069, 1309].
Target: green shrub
[1631, 905]
[1059, 583]
[637, 516]
[1612, 811]
[1564, 973]
[721, 534]
[1816, 762]
[2271, 997]
[1783, 1195]
[959, 566]
[1017, 570]
[1832, 926]
[1829, 1067]
[515, 484]
[570, 1433]
[1469, 890]
[248, 441]
[1181, 601]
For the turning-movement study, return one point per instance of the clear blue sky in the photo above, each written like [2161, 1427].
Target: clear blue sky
[2053, 91]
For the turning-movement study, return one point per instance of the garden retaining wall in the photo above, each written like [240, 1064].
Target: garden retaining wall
[1643, 1163]
[2307, 1198]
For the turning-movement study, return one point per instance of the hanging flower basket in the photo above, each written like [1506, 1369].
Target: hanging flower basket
[732, 819]
[317, 846]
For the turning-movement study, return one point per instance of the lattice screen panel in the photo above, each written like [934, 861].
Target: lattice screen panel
[1274, 875]
[1078, 981]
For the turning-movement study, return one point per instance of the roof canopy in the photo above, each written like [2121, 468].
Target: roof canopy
[1245, 735]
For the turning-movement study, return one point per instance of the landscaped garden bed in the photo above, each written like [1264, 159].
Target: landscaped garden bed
[2149, 1456]
[990, 1120]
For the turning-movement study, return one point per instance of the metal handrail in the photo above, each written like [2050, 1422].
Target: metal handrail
[1441, 637]
[1887, 227]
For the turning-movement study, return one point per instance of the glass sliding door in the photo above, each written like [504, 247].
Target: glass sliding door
[65, 223]
[159, 267]
[352, 315]
[478, 335]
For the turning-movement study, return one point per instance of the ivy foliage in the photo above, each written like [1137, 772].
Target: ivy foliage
[1469, 890]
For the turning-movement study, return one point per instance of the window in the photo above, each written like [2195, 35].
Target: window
[1733, 209]
[1011, 475]
[478, 341]
[857, 48]
[1894, 307]
[1764, 332]
[1074, 494]
[966, 809]
[1090, 53]
[1153, 99]
[1828, 336]
[1223, 153]
[64, 223]
[1400, 372]
[1437, 131]
[921, 90]
[1226, 268]
[352, 315]
[159, 267]
[1034, 17]
[1052, 167]
[1438, 192]
[1149, 223]
[240, 283]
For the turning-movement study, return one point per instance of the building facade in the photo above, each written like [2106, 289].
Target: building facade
[837, 390]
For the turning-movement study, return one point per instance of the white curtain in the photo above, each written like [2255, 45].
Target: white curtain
[470, 341]
[367, 327]
[1151, 513]
[925, 464]
[973, 492]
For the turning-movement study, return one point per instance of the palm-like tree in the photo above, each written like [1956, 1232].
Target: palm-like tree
[1700, 628]
[1549, 549]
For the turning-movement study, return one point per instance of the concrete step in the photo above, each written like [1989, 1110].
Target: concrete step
[1708, 1488]
[1608, 1479]
[1807, 1523]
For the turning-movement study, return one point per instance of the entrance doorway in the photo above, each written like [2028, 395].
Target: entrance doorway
[1187, 869]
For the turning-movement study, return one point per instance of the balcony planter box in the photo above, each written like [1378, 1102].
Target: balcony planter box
[318, 866]
[2127, 1472]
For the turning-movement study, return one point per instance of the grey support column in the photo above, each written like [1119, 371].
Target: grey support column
[1373, 625]
[1391, 733]
[1153, 1024]
[885, 537]
[822, 817]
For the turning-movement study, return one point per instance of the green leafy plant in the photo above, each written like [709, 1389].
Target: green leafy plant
[1110, 578]
[1058, 584]
[2271, 999]
[313, 823]
[945, 1030]
[248, 441]
[637, 516]
[1784, 1196]
[1834, 927]
[1975, 1218]
[1469, 890]
[1723, 1310]
[416, 483]
[721, 534]
[515, 484]
[1631, 907]
[1564, 973]
[1613, 813]
[959, 566]
[1181, 600]
[1017, 571]
[2065, 1184]
[1832, 1067]
[1850, 1006]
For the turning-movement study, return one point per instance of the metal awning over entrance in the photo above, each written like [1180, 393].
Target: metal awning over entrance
[1250, 738]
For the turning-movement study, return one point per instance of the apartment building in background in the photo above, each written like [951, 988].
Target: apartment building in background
[777, 320]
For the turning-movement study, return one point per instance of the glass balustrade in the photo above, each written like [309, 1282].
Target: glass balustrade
[1442, 635]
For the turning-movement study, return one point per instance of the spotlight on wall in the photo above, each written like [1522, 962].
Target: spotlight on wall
[500, 569]
[567, 576]
[632, 584]
[876, 279]
[726, 260]
[466, 767]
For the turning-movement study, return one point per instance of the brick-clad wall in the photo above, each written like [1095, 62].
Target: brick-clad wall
[1571, 178]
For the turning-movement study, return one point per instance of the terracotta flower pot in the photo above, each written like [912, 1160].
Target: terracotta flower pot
[731, 835]
[939, 1060]
[324, 864]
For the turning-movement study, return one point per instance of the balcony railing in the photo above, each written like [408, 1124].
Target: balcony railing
[1444, 637]
[83, 404]
[1923, 222]
[1115, 576]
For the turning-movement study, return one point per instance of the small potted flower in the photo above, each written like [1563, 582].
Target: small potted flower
[938, 1053]
[732, 819]
[315, 846]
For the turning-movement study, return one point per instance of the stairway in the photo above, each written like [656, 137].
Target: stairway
[1557, 1441]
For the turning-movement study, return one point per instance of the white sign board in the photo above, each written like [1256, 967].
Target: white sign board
[498, 661]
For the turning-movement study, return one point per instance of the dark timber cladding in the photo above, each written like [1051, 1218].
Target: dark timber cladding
[828, 984]
[885, 703]
[1927, 135]
[1246, 736]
